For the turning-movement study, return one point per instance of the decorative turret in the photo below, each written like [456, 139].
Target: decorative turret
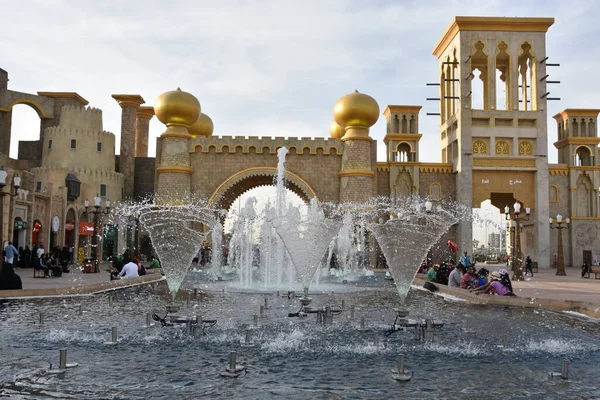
[356, 113]
[178, 110]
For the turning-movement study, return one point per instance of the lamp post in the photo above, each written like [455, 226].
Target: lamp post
[96, 211]
[16, 184]
[517, 263]
[560, 225]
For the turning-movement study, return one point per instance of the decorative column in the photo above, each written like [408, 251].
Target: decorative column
[356, 113]
[129, 104]
[142, 127]
[177, 110]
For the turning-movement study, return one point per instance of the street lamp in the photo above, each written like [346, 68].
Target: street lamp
[16, 184]
[560, 225]
[517, 263]
[96, 211]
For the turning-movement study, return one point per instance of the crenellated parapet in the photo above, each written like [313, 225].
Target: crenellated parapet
[264, 145]
[83, 118]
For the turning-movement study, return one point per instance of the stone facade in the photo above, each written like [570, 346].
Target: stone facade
[72, 141]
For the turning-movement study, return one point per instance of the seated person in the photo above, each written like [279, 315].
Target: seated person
[40, 264]
[52, 265]
[8, 279]
[585, 270]
[141, 268]
[480, 278]
[130, 269]
[155, 263]
[117, 267]
[467, 278]
[500, 284]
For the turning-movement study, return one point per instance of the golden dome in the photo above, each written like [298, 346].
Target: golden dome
[177, 107]
[202, 127]
[336, 131]
[356, 109]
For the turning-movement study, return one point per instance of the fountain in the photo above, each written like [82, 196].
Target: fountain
[174, 229]
[294, 358]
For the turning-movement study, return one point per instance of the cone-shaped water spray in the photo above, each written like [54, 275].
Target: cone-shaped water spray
[306, 238]
[406, 230]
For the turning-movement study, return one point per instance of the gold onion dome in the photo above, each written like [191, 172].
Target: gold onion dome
[177, 107]
[202, 127]
[335, 130]
[356, 109]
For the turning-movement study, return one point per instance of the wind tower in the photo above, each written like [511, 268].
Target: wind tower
[493, 95]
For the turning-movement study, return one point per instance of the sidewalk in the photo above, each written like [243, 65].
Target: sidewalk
[75, 282]
[545, 289]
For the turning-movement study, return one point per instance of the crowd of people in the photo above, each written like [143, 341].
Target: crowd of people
[464, 275]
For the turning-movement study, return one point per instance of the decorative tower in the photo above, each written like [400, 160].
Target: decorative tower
[576, 194]
[493, 118]
[356, 113]
[178, 110]
[402, 143]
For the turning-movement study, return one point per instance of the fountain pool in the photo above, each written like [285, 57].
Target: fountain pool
[295, 358]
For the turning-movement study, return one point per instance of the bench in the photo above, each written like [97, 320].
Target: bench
[595, 271]
[39, 273]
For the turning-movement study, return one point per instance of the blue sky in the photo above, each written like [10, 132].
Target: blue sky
[268, 68]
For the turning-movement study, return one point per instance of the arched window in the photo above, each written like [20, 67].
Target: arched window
[479, 78]
[479, 147]
[502, 148]
[404, 125]
[502, 77]
[583, 156]
[591, 128]
[404, 152]
[527, 79]
[395, 124]
[575, 125]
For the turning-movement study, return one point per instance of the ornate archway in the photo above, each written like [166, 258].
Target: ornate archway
[241, 182]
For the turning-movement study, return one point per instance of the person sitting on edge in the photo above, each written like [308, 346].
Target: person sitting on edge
[155, 263]
[480, 279]
[130, 269]
[465, 282]
[500, 284]
[455, 276]
[432, 272]
[141, 268]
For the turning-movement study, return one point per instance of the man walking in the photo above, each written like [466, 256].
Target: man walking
[11, 252]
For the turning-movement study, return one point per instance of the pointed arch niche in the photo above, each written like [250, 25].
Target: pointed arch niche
[479, 78]
[404, 184]
[584, 196]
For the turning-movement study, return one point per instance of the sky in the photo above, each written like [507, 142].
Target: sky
[270, 67]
